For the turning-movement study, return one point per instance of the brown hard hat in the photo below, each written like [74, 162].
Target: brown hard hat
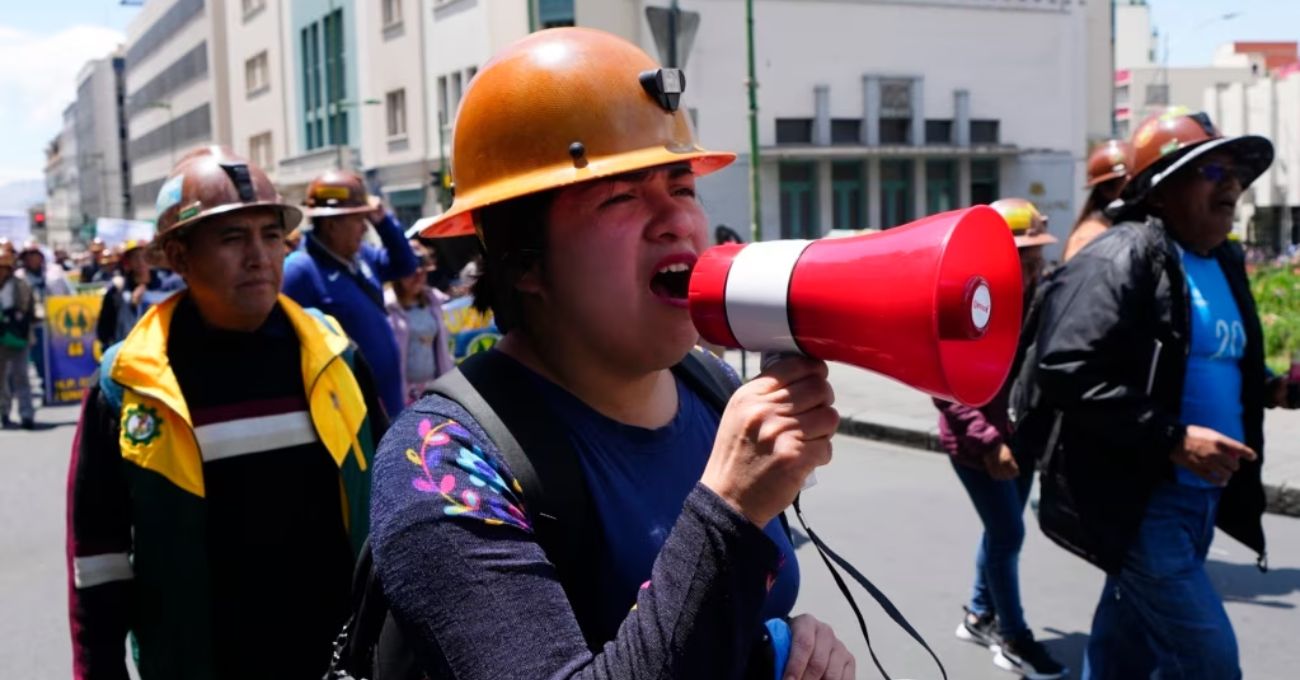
[1167, 142]
[8, 258]
[97, 245]
[7, 247]
[564, 106]
[1109, 160]
[338, 193]
[213, 181]
[31, 246]
[1028, 225]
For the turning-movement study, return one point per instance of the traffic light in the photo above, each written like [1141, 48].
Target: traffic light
[38, 218]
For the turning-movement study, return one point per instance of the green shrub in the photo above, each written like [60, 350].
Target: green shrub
[1277, 294]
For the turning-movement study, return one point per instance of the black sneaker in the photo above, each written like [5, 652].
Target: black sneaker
[981, 630]
[29, 424]
[1028, 657]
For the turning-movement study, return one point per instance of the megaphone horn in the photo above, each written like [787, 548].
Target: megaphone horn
[935, 304]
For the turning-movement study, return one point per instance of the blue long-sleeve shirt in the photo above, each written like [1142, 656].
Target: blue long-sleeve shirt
[353, 294]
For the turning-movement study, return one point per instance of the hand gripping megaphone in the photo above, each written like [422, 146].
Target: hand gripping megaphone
[935, 304]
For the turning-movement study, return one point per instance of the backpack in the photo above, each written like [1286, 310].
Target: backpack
[502, 400]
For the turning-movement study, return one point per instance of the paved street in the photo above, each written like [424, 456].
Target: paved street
[898, 514]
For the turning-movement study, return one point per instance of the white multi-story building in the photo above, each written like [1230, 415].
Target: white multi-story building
[63, 215]
[1136, 40]
[871, 112]
[261, 85]
[398, 139]
[102, 164]
[1269, 106]
[177, 89]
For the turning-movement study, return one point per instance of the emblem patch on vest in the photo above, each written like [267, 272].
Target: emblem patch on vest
[140, 424]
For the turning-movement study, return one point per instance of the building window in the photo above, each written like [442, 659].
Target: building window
[392, 13]
[444, 114]
[984, 181]
[324, 63]
[895, 193]
[456, 89]
[554, 13]
[794, 130]
[895, 130]
[984, 131]
[848, 192]
[938, 132]
[798, 200]
[846, 131]
[396, 107]
[940, 186]
[252, 7]
[259, 151]
[469, 74]
[1157, 94]
[257, 75]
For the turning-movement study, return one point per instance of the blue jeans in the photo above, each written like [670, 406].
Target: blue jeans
[1161, 617]
[1001, 507]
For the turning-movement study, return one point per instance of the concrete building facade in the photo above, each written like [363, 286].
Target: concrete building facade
[1269, 217]
[103, 166]
[398, 139]
[261, 84]
[63, 217]
[177, 89]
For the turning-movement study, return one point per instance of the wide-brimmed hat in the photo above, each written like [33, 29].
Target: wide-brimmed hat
[1166, 144]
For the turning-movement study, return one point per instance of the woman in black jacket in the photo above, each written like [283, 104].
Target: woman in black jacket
[1151, 351]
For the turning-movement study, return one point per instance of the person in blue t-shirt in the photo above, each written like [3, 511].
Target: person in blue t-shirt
[337, 273]
[586, 208]
[1152, 350]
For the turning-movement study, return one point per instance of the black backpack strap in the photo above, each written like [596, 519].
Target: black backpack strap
[503, 399]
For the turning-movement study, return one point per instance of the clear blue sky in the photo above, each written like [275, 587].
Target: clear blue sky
[49, 41]
[1196, 27]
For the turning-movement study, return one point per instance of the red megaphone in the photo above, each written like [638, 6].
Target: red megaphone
[935, 304]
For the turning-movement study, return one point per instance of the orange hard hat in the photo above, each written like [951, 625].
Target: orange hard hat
[1028, 225]
[564, 106]
[1167, 142]
[213, 181]
[336, 192]
[1109, 160]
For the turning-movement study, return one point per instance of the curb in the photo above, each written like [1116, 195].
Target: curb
[1280, 498]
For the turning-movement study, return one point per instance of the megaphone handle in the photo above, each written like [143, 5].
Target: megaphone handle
[768, 359]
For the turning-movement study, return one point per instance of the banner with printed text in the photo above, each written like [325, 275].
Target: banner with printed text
[71, 351]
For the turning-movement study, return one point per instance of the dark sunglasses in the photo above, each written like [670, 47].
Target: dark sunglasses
[1219, 172]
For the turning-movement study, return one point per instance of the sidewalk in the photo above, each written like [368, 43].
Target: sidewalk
[876, 407]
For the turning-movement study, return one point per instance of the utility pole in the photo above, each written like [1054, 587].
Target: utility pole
[673, 13]
[755, 202]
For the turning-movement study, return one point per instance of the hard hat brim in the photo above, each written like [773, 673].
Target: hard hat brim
[459, 218]
[291, 213]
[1105, 178]
[372, 203]
[1250, 151]
[1035, 240]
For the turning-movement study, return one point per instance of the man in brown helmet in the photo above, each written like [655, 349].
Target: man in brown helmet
[335, 271]
[219, 486]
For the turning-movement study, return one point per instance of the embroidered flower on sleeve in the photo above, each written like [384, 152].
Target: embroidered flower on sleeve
[469, 483]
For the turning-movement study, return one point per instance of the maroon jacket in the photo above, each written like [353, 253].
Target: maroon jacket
[968, 433]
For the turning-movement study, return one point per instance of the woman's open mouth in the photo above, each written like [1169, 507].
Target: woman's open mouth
[672, 278]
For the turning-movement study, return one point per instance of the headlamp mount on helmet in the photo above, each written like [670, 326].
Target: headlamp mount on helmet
[665, 85]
